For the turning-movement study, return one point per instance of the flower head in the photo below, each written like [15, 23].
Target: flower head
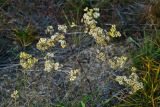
[117, 62]
[51, 65]
[27, 61]
[113, 32]
[45, 43]
[89, 19]
[63, 43]
[42, 44]
[15, 94]
[24, 55]
[101, 56]
[62, 28]
[73, 74]
[49, 30]
[133, 69]
[96, 15]
[131, 81]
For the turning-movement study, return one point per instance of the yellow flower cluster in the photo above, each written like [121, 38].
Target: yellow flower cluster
[62, 28]
[57, 36]
[113, 32]
[90, 16]
[73, 74]
[89, 19]
[101, 56]
[27, 61]
[117, 62]
[133, 69]
[131, 81]
[50, 65]
[46, 43]
[49, 30]
[63, 43]
[100, 35]
[15, 94]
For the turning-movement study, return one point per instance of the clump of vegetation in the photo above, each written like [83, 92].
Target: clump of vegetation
[146, 59]
[58, 72]
[45, 44]
[149, 95]
[24, 36]
[150, 48]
